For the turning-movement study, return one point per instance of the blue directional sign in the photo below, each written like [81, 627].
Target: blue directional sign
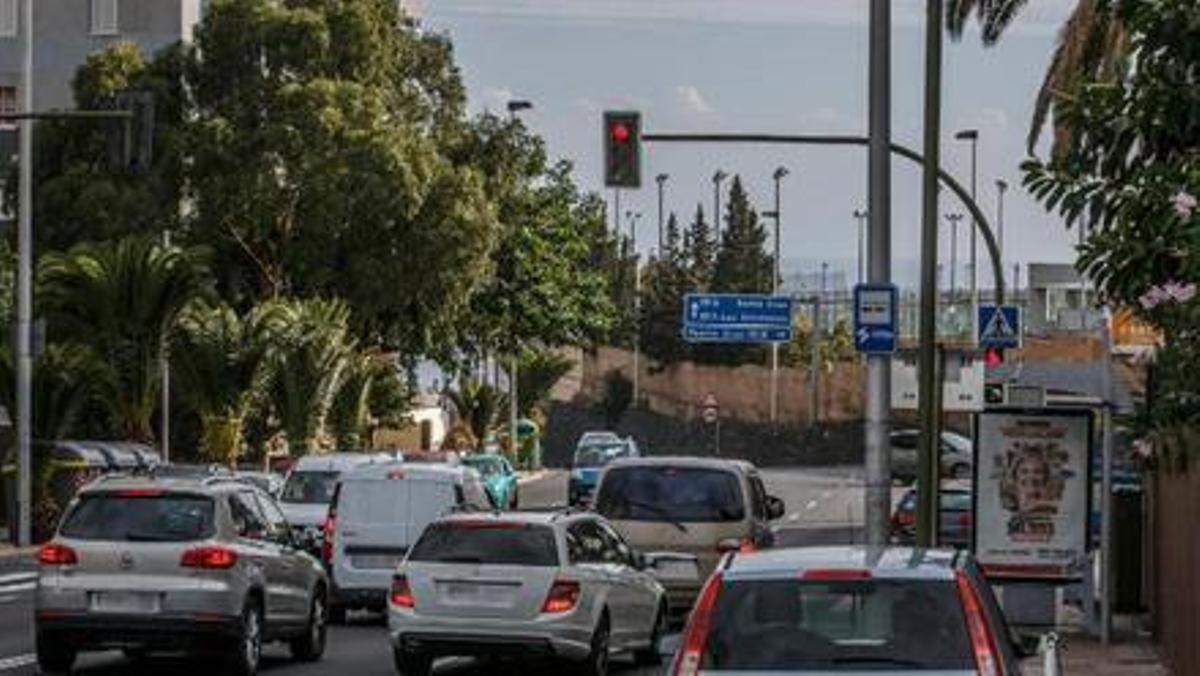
[876, 313]
[999, 326]
[734, 318]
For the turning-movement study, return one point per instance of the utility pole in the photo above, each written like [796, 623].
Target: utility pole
[861, 216]
[719, 176]
[814, 365]
[165, 401]
[825, 304]
[779, 175]
[633, 218]
[955, 219]
[927, 465]
[972, 135]
[24, 369]
[1001, 188]
[661, 179]
[879, 263]
[514, 107]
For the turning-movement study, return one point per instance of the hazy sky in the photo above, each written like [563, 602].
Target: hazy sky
[787, 66]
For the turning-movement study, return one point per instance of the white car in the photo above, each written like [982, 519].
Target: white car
[561, 585]
[308, 489]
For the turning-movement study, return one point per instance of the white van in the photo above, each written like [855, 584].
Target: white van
[309, 486]
[377, 512]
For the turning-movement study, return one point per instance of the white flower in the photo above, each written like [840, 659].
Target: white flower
[1185, 203]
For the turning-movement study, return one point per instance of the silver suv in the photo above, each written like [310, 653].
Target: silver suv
[202, 565]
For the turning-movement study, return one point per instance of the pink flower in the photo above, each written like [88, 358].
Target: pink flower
[1185, 203]
[1170, 292]
[1153, 298]
[1180, 292]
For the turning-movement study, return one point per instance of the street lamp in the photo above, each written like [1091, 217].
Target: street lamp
[955, 219]
[633, 218]
[862, 215]
[972, 135]
[515, 106]
[661, 180]
[1001, 188]
[719, 176]
[779, 175]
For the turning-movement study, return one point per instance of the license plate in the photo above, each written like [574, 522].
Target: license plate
[133, 603]
[676, 570]
[478, 594]
[374, 561]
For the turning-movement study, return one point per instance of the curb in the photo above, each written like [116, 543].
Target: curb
[530, 477]
[12, 555]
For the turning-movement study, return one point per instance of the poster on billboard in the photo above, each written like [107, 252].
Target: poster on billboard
[1032, 487]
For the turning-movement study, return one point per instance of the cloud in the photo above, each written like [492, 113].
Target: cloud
[692, 100]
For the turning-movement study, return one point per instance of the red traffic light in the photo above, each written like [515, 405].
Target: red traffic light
[993, 357]
[619, 132]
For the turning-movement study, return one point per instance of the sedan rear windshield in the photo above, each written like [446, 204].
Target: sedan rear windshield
[678, 494]
[510, 544]
[119, 517]
[599, 455]
[861, 625]
[309, 488]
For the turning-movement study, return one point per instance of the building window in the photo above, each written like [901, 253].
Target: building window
[104, 17]
[8, 105]
[8, 18]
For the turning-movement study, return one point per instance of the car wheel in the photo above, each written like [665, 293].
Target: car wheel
[409, 663]
[596, 663]
[246, 651]
[311, 646]
[961, 471]
[651, 655]
[516, 499]
[54, 656]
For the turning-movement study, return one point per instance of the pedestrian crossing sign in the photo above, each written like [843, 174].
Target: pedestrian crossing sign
[999, 326]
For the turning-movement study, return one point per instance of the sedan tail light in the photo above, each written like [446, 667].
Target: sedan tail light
[983, 642]
[695, 635]
[55, 554]
[402, 595]
[209, 558]
[563, 596]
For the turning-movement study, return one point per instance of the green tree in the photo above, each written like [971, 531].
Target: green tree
[350, 413]
[665, 282]
[700, 248]
[221, 362]
[537, 375]
[479, 406]
[122, 299]
[742, 263]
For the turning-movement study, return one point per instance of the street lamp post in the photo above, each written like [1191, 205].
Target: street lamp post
[779, 175]
[719, 176]
[515, 106]
[1001, 188]
[955, 219]
[661, 180]
[861, 215]
[633, 218]
[24, 384]
[972, 135]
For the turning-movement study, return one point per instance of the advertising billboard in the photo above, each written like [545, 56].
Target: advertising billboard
[1032, 484]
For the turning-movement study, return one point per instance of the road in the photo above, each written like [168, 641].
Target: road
[823, 507]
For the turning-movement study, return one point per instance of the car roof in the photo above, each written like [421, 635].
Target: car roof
[545, 518]
[685, 461]
[880, 562]
[398, 470]
[186, 484]
[339, 462]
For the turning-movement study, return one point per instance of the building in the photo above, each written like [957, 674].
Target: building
[1060, 299]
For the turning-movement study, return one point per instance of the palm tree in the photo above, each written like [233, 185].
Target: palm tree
[1092, 48]
[220, 362]
[479, 406]
[122, 299]
[312, 347]
[68, 384]
[350, 415]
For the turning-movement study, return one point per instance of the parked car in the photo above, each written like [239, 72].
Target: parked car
[268, 482]
[957, 455]
[591, 456]
[597, 437]
[847, 609]
[498, 477]
[954, 517]
[562, 585]
[377, 512]
[700, 506]
[309, 486]
[204, 565]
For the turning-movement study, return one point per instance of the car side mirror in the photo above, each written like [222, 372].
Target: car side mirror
[775, 508]
[640, 562]
[1027, 645]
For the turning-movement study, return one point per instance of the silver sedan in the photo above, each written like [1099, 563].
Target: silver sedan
[525, 584]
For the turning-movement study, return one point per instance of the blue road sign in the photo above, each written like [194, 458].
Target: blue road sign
[699, 333]
[876, 318]
[999, 326]
[737, 310]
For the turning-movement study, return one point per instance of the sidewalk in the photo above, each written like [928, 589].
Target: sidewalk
[1083, 654]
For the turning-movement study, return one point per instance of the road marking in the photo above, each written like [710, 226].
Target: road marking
[10, 663]
[18, 588]
[812, 504]
[17, 578]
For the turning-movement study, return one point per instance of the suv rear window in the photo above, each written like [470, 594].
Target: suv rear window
[119, 517]
[680, 494]
[772, 625]
[512, 544]
[309, 488]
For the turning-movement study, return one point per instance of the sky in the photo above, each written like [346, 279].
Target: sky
[781, 66]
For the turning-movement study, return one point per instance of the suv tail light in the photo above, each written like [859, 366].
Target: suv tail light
[209, 558]
[983, 643]
[327, 530]
[695, 635]
[55, 554]
[563, 596]
[402, 595]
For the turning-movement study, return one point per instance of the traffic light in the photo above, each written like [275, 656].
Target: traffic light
[622, 149]
[993, 394]
[993, 357]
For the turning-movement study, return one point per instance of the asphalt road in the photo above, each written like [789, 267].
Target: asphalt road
[823, 507]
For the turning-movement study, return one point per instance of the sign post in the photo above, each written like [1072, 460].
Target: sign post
[733, 318]
[876, 318]
[712, 416]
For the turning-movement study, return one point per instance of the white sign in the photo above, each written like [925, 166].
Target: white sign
[711, 409]
[962, 389]
[1031, 494]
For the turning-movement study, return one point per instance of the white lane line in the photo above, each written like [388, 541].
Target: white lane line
[18, 588]
[10, 663]
[17, 578]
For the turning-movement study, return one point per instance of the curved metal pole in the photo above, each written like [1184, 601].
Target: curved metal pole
[982, 224]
